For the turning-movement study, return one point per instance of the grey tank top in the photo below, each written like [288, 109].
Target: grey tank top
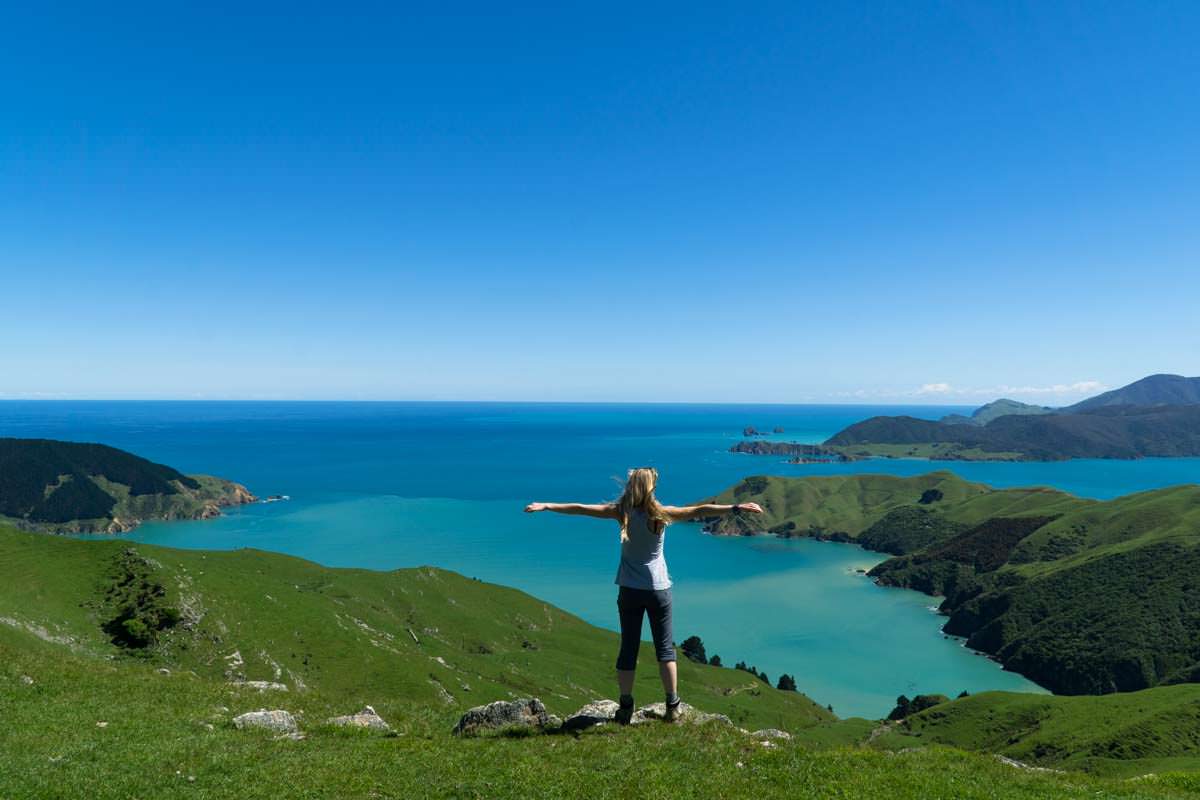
[642, 563]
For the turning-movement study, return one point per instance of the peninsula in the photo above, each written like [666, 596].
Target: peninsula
[72, 487]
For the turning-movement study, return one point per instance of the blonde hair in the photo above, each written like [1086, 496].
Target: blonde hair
[639, 494]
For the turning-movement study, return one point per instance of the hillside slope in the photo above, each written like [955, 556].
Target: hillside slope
[1156, 729]
[842, 507]
[76, 487]
[85, 717]
[422, 636]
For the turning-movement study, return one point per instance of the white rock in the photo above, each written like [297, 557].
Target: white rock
[263, 686]
[771, 733]
[277, 720]
[367, 718]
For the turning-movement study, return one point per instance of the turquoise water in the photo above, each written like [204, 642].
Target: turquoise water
[385, 485]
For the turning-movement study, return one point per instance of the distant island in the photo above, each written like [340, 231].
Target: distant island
[71, 487]
[1081, 596]
[1157, 416]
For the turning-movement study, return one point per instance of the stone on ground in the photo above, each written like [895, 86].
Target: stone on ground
[687, 714]
[503, 714]
[594, 713]
[278, 720]
[367, 718]
[771, 733]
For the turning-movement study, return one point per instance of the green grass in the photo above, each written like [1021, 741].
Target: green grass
[952, 451]
[343, 638]
[1120, 735]
[157, 738]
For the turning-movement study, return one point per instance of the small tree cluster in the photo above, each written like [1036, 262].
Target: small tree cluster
[786, 683]
[905, 707]
[693, 648]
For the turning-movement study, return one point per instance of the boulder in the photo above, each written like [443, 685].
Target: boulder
[278, 720]
[526, 712]
[595, 713]
[263, 686]
[367, 718]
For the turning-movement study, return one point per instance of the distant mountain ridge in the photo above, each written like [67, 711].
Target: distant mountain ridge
[997, 408]
[1153, 390]
[74, 487]
[1157, 416]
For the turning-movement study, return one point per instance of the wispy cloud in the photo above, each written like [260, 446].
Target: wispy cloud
[950, 392]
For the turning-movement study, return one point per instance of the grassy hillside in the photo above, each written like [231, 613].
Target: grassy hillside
[843, 506]
[423, 636]
[84, 717]
[75, 487]
[1153, 730]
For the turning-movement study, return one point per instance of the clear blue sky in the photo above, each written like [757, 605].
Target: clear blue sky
[831, 202]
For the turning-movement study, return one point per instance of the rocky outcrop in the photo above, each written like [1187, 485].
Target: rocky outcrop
[367, 718]
[278, 720]
[507, 714]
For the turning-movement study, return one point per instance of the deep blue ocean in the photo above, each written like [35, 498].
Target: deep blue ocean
[386, 485]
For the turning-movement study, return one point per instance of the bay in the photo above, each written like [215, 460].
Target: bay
[388, 485]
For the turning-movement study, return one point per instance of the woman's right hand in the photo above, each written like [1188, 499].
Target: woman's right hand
[532, 507]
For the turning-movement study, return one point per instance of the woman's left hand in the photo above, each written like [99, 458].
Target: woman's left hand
[753, 508]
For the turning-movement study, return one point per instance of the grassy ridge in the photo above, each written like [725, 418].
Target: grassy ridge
[843, 506]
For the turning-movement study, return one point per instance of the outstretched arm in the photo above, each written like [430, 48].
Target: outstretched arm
[683, 513]
[601, 510]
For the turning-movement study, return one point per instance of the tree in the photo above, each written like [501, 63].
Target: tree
[786, 683]
[693, 648]
[763, 677]
[715, 660]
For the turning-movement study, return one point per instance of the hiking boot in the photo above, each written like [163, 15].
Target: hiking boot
[624, 713]
[674, 711]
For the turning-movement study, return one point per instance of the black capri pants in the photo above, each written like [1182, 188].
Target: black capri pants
[632, 604]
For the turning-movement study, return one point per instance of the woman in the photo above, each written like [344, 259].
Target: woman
[645, 586]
